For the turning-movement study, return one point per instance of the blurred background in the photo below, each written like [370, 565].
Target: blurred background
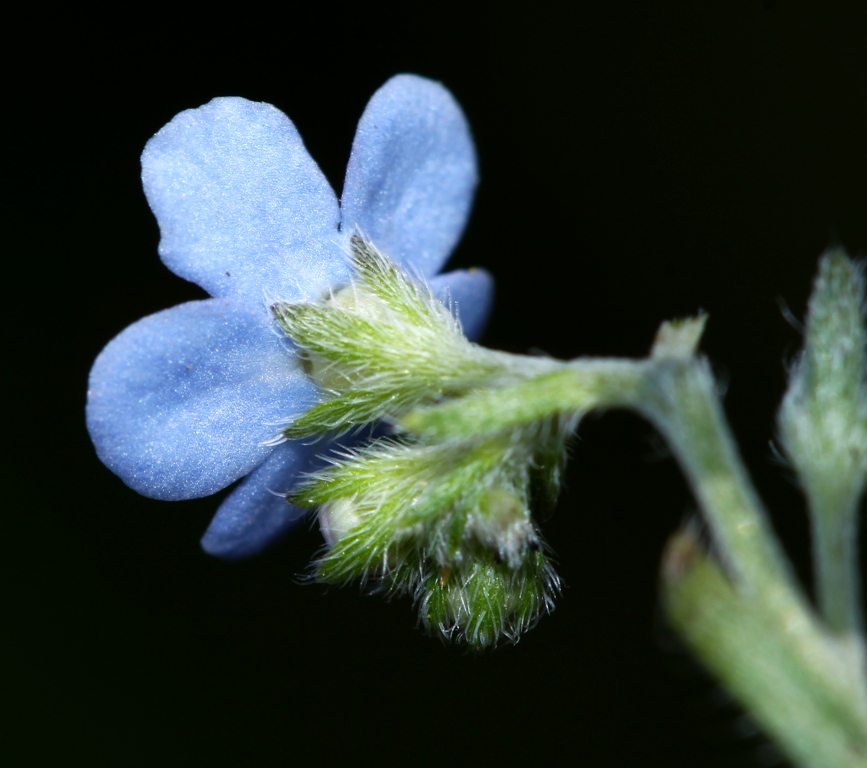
[638, 161]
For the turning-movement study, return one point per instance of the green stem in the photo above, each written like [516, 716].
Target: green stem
[765, 607]
[774, 635]
[838, 588]
[757, 662]
[682, 402]
[571, 388]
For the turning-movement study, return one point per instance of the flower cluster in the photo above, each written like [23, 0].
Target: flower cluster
[442, 516]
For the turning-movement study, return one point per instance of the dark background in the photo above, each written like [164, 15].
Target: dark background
[639, 162]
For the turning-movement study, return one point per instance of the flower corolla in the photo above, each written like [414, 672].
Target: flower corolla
[189, 400]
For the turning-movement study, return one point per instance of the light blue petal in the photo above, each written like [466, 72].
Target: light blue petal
[242, 207]
[253, 517]
[470, 295]
[412, 173]
[181, 403]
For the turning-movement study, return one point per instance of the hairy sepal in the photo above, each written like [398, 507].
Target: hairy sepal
[380, 347]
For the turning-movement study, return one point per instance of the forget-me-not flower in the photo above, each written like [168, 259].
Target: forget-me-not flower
[183, 403]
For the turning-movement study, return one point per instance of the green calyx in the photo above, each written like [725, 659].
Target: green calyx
[380, 346]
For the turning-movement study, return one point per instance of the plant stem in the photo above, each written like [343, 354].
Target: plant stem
[759, 635]
[838, 588]
[683, 404]
[758, 662]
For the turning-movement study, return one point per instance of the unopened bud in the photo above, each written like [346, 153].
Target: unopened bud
[337, 519]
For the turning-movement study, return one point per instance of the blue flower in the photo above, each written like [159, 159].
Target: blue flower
[183, 403]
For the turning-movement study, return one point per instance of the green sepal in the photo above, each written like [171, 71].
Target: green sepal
[549, 457]
[403, 493]
[409, 479]
[379, 347]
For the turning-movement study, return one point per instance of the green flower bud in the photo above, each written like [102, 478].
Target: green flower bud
[449, 524]
[482, 600]
[337, 519]
[823, 426]
[823, 418]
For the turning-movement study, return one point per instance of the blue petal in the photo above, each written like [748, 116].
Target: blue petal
[252, 517]
[470, 294]
[183, 402]
[412, 173]
[242, 207]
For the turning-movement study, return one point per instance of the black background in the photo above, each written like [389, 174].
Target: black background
[639, 162]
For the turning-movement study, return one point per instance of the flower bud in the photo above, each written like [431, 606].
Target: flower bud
[482, 600]
[502, 523]
[337, 519]
[823, 418]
